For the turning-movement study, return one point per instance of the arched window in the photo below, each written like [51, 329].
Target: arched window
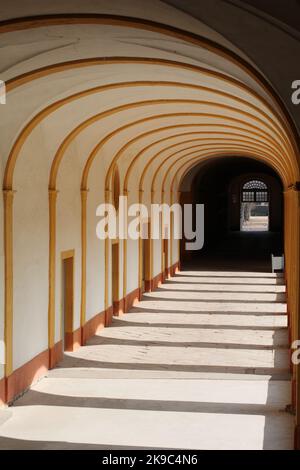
[254, 206]
[255, 191]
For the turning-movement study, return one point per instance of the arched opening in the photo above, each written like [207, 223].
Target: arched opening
[243, 212]
[254, 206]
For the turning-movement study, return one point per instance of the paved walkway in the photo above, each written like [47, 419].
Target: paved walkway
[201, 363]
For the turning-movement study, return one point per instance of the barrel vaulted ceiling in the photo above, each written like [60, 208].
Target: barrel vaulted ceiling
[140, 84]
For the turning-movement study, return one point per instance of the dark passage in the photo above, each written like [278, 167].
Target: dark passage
[218, 184]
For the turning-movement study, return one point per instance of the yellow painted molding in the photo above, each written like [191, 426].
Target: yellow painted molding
[213, 141]
[293, 187]
[162, 227]
[159, 153]
[199, 141]
[208, 115]
[198, 154]
[8, 196]
[29, 127]
[67, 254]
[52, 266]
[183, 157]
[120, 108]
[216, 154]
[260, 156]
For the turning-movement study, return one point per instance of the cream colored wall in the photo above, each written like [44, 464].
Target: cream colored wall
[68, 230]
[31, 236]
[132, 246]
[95, 288]
[31, 248]
[1, 279]
[132, 265]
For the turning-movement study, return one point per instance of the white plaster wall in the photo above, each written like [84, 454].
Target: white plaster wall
[121, 268]
[132, 265]
[132, 268]
[31, 236]
[1, 282]
[95, 286]
[68, 231]
[30, 251]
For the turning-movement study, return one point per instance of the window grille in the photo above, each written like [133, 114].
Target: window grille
[255, 191]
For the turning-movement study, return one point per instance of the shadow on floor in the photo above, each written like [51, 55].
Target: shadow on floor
[46, 399]
[269, 412]
[273, 372]
[7, 443]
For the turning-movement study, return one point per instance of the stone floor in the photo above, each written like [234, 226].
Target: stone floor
[201, 363]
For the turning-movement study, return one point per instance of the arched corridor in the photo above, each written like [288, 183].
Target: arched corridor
[110, 105]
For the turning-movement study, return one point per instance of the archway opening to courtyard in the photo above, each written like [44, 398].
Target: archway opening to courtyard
[243, 213]
[254, 206]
